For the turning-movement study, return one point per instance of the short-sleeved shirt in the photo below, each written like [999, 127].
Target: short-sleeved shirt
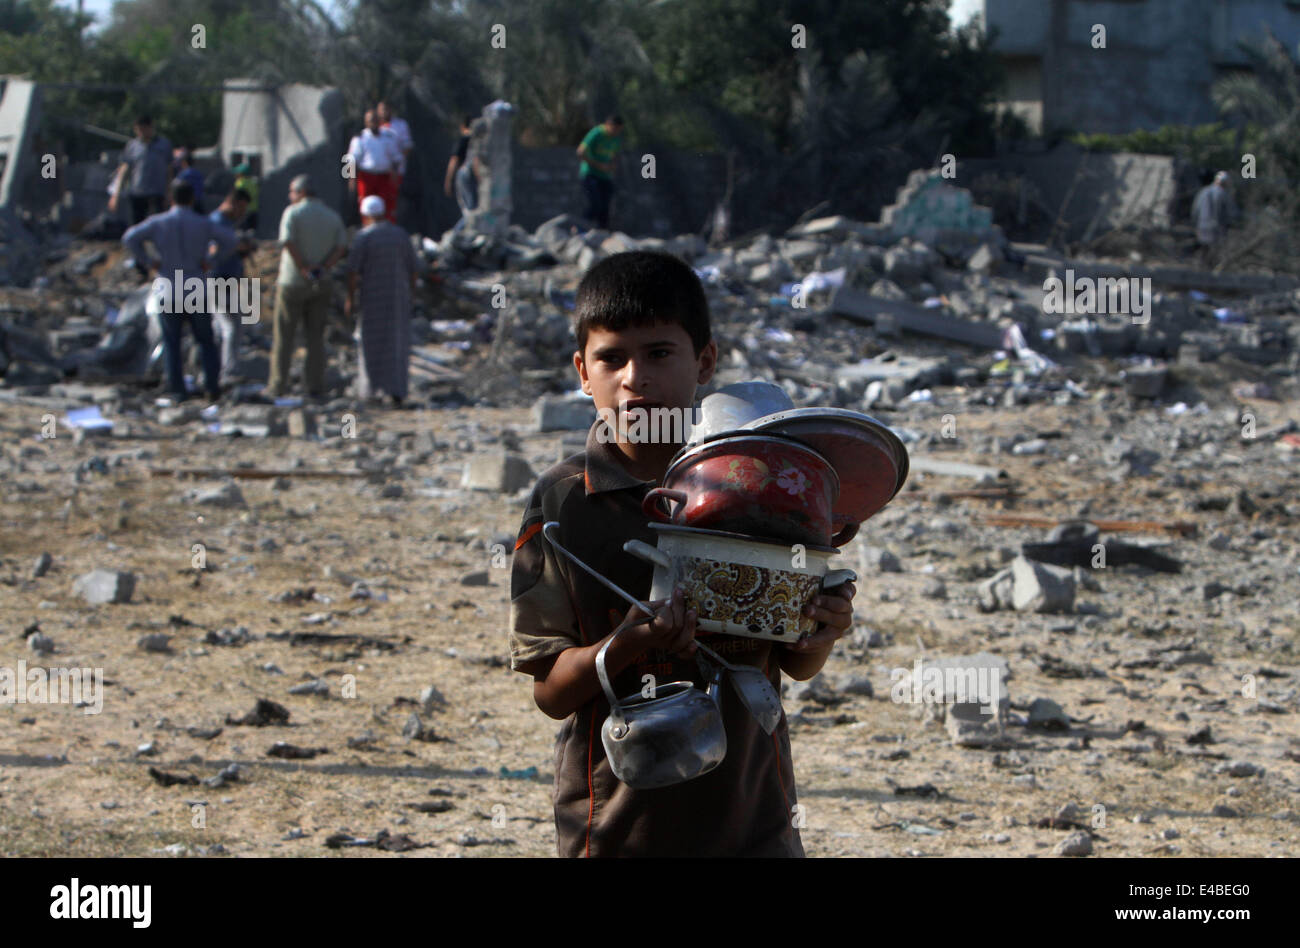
[316, 230]
[150, 166]
[744, 807]
[250, 184]
[376, 153]
[601, 146]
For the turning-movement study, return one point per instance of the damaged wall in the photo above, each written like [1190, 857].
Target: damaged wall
[290, 130]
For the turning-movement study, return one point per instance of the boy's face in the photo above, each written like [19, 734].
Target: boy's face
[643, 367]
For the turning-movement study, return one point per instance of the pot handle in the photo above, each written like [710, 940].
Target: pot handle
[847, 533]
[650, 505]
[837, 577]
[648, 553]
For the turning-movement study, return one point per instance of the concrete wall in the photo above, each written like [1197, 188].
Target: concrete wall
[294, 129]
[1160, 60]
[1111, 190]
[20, 112]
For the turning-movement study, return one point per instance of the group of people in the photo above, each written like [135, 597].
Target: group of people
[382, 269]
[382, 272]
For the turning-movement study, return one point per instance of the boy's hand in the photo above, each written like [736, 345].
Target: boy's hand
[834, 610]
[673, 627]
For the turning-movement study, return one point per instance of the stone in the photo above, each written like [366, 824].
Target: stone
[431, 699]
[1047, 714]
[934, 588]
[42, 565]
[1041, 588]
[1224, 811]
[227, 496]
[997, 592]
[40, 643]
[985, 259]
[1145, 381]
[500, 471]
[178, 415]
[858, 685]
[413, 727]
[1033, 446]
[479, 577]
[552, 413]
[1239, 768]
[391, 491]
[154, 642]
[316, 687]
[880, 559]
[104, 586]
[1076, 844]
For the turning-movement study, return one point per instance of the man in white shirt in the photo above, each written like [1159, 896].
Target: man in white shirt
[400, 130]
[378, 160]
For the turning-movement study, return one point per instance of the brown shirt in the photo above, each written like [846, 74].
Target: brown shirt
[744, 807]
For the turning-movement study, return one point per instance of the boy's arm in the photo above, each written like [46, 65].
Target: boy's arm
[565, 682]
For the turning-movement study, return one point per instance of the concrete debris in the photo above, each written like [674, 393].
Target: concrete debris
[102, 586]
[501, 471]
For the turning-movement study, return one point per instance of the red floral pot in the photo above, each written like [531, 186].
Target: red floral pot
[758, 485]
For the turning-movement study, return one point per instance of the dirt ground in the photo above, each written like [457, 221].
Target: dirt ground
[75, 784]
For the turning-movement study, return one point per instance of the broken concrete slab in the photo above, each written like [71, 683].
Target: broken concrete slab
[564, 414]
[863, 307]
[927, 465]
[104, 586]
[1041, 588]
[226, 496]
[501, 471]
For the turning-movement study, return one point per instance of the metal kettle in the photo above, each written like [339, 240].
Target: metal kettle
[672, 736]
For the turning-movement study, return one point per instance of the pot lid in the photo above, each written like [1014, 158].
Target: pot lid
[869, 458]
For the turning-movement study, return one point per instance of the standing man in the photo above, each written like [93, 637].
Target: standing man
[401, 132]
[227, 325]
[185, 171]
[461, 173]
[148, 158]
[378, 159]
[598, 150]
[313, 239]
[182, 238]
[1212, 210]
[384, 264]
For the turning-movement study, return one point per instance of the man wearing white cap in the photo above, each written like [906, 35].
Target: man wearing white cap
[1212, 210]
[384, 265]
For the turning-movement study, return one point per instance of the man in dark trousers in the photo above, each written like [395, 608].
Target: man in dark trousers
[598, 150]
[182, 238]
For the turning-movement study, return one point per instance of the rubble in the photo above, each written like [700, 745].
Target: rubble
[102, 586]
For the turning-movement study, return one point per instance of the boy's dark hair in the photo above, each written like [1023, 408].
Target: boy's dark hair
[642, 288]
[182, 192]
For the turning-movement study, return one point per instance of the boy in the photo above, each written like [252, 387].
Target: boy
[643, 342]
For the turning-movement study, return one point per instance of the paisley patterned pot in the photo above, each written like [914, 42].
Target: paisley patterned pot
[739, 585]
[760, 485]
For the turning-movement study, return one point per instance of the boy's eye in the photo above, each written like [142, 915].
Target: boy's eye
[661, 353]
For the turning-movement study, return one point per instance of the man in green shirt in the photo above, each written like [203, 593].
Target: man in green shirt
[313, 239]
[598, 150]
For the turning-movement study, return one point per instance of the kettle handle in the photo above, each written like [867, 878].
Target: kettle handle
[648, 553]
[615, 709]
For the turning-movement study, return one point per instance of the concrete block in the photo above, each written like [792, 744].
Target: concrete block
[1145, 381]
[1041, 588]
[104, 586]
[563, 414]
[499, 471]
